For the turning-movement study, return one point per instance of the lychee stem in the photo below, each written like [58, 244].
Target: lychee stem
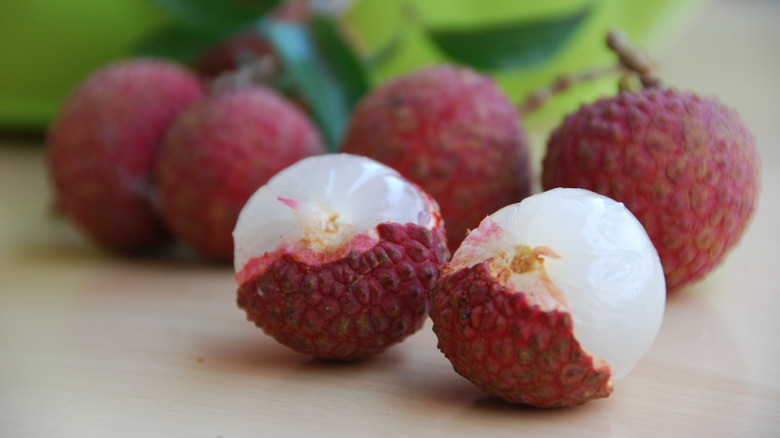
[631, 62]
[527, 259]
[260, 70]
[526, 270]
[322, 226]
[538, 98]
[631, 58]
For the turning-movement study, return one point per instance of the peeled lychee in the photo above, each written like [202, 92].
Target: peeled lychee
[217, 153]
[685, 165]
[453, 132]
[336, 255]
[550, 299]
[102, 143]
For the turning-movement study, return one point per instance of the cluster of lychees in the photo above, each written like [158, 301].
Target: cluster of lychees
[143, 149]
[545, 301]
[548, 300]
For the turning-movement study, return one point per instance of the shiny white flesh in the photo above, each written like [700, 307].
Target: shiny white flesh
[607, 268]
[361, 192]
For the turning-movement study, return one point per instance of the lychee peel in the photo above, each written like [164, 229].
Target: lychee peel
[101, 146]
[551, 299]
[336, 256]
[453, 132]
[351, 307]
[685, 165]
[505, 343]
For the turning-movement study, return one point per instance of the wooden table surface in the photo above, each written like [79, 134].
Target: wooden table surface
[93, 345]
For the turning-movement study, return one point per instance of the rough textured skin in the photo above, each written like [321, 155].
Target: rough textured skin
[101, 146]
[686, 166]
[218, 153]
[509, 347]
[352, 307]
[453, 132]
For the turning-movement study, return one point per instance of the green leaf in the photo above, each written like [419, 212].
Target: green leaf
[510, 46]
[345, 65]
[196, 25]
[218, 14]
[323, 67]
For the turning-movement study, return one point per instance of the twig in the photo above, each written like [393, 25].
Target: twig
[537, 99]
[631, 62]
[631, 58]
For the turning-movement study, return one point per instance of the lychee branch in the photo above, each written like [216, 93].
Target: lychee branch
[631, 58]
[538, 98]
[631, 62]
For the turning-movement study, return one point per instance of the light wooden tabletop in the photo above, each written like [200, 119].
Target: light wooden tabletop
[93, 345]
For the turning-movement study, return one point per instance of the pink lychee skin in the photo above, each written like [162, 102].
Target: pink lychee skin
[453, 132]
[499, 339]
[217, 153]
[351, 307]
[686, 166]
[101, 146]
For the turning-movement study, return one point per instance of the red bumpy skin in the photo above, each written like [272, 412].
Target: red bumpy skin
[686, 166]
[453, 132]
[102, 144]
[351, 307]
[218, 153]
[497, 338]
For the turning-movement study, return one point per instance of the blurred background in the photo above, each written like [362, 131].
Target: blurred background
[48, 47]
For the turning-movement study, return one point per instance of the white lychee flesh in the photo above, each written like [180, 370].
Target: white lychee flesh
[335, 196]
[604, 264]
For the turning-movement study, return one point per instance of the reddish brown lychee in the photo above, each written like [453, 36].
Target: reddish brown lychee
[217, 153]
[102, 143]
[336, 256]
[685, 165]
[453, 132]
[550, 300]
[228, 55]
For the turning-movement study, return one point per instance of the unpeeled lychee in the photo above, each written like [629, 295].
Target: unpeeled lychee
[229, 54]
[102, 143]
[551, 299]
[453, 132]
[336, 255]
[685, 165]
[217, 153]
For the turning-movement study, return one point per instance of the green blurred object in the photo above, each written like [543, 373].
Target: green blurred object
[46, 47]
[568, 35]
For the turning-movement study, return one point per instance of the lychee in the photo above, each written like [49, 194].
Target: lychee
[685, 165]
[550, 300]
[336, 255]
[102, 143]
[217, 153]
[453, 132]
[230, 53]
